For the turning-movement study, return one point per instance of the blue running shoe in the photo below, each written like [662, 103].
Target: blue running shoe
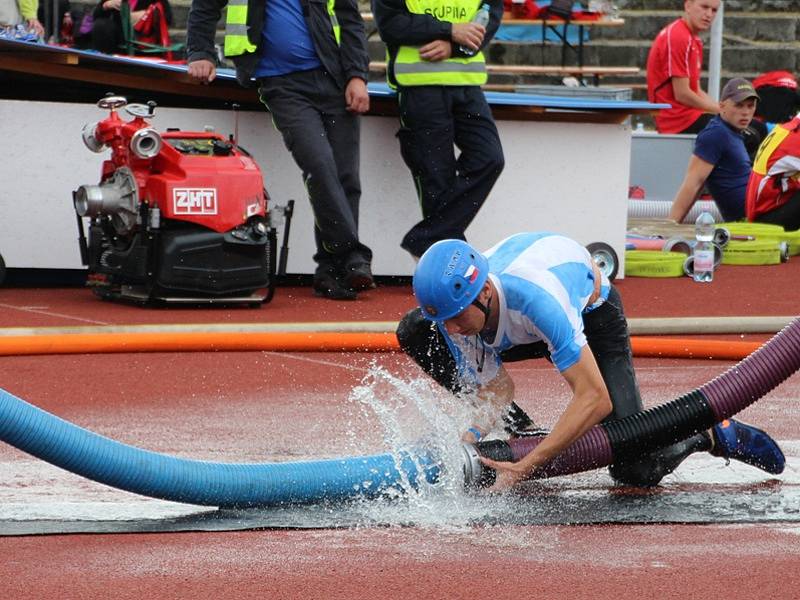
[739, 441]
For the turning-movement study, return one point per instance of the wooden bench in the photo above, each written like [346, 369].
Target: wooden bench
[595, 72]
[559, 28]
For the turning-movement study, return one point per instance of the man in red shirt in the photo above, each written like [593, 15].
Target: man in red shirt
[773, 192]
[673, 70]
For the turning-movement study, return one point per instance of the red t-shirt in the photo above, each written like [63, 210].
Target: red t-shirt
[776, 170]
[676, 52]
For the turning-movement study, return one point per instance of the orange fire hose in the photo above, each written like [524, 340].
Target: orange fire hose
[90, 343]
[310, 341]
[686, 348]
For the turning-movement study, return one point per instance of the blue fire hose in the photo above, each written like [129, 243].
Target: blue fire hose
[147, 473]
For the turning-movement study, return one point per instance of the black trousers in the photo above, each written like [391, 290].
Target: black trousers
[434, 119]
[786, 215]
[606, 331]
[308, 108]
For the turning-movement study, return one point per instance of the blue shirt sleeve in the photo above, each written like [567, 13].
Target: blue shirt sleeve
[709, 145]
[563, 338]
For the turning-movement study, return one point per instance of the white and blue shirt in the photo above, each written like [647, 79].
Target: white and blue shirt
[544, 282]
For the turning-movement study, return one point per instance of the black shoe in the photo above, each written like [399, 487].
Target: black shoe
[327, 285]
[358, 277]
[519, 424]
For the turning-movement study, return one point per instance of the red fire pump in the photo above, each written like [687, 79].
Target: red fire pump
[177, 217]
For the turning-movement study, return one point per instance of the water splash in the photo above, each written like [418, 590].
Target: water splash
[421, 419]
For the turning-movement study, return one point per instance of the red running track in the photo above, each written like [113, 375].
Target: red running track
[258, 406]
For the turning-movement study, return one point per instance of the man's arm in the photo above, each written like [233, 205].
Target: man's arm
[201, 28]
[590, 404]
[353, 46]
[696, 175]
[461, 31]
[29, 10]
[399, 27]
[688, 97]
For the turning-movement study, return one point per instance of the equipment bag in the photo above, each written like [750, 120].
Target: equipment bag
[560, 8]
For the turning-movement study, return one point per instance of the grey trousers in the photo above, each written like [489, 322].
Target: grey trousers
[308, 108]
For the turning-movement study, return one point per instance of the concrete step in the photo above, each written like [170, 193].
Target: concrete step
[736, 57]
[730, 5]
[754, 42]
[645, 25]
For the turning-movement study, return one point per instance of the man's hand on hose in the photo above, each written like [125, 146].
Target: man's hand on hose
[436, 51]
[509, 474]
[202, 70]
[468, 34]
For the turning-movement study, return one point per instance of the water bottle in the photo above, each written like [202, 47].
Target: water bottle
[704, 248]
[481, 18]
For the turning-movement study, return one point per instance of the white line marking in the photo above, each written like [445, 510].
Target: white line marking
[317, 361]
[34, 309]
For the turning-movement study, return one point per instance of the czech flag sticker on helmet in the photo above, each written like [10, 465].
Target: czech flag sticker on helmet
[471, 274]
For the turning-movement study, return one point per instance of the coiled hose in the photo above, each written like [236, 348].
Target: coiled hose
[658, 427]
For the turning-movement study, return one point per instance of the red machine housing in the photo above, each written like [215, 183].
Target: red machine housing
[178, 216]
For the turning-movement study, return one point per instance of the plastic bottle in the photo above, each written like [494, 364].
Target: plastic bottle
[481, 18]
[703, 266]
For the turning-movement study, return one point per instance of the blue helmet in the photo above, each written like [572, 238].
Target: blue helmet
[448, 278]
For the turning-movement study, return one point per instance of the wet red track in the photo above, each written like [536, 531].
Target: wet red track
[255, 406]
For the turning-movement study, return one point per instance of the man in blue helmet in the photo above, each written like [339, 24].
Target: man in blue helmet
[540, 295]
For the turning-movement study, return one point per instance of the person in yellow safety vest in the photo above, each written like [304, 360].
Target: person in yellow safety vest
[310, 62]
[436, 63]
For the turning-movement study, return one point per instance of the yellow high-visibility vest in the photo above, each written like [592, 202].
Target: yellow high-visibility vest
[236, 41]
[410, 69]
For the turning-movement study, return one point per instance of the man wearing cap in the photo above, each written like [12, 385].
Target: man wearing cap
[720, 160]
[539, 295]
[673, 70]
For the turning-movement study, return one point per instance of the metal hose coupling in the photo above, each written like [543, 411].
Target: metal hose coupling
[476, 474]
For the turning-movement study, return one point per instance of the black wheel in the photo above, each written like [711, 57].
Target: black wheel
[2, 270]
[604, 257]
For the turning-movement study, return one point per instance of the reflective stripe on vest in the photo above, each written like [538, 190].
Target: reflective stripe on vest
[410, 69]
[236, 40]
[337, 30]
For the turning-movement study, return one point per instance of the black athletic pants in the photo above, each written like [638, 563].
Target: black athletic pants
[787, 215]
[308, 108]
[434, 119]
[607, 335]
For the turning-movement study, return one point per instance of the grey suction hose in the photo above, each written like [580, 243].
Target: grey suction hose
[658, 427]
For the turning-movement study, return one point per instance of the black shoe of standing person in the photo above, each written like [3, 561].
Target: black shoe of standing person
[358, 277]
[328, 285]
